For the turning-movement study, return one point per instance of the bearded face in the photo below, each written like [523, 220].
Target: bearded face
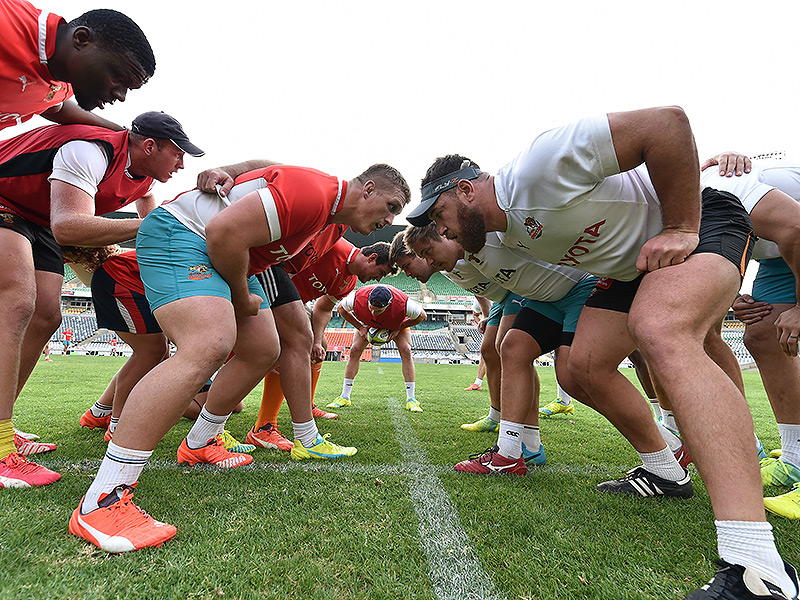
[473, 228]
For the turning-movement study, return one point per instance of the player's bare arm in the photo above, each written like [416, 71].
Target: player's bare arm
[224, 176]
[229, 237]
[69, 112]
[320, 316]
[662, 139]
[351, 318]
[74, 223]
[145, 204]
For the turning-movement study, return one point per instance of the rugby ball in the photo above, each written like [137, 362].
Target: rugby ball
[378, 337]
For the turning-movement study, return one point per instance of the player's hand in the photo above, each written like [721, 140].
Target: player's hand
[482, 325]
[317, 353]
[748, 311]
[247, 306]
[208, 180]
[670, 247]
[363, 331]
[788, 328]
[730, 164]
[392, 335]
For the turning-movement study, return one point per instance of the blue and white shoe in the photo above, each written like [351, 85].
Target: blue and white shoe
[536, 458]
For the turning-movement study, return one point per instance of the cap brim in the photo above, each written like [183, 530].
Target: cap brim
[419, 216]
[188, 147]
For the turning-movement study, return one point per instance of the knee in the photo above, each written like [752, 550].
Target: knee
[153, 353]
[759, 340]
[19, 311]
[518, 347]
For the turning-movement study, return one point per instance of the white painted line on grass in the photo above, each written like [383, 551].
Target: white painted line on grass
[454, 570]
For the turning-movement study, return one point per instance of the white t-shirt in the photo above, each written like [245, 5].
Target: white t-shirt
[567, 203]
[83, 164]
[522, 274]
[465, 275]
[195, 208]
[413, 308]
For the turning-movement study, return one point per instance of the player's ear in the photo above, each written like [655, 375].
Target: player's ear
[372, 258]
[369, 188]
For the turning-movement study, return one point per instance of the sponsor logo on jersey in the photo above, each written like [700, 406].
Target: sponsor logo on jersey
[473, 258]
[533, 227]
[199, 272]
[504, 275]
[8, 218]
[582, 245]
[51, 94]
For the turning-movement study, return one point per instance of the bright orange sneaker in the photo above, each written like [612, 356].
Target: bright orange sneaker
[473, 388]
[92, 422]
[318, 413]
[27, 447]
[17, 472]
[268, 436]
[213, 453]
[108, 435]
[118, 525]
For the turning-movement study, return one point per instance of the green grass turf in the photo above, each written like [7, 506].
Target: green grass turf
[351, 529]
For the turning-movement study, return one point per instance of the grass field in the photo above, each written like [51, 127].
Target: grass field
[394, 521]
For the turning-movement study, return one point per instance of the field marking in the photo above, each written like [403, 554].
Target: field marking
[453, 568]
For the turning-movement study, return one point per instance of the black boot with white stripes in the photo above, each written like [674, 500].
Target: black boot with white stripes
[640, 482]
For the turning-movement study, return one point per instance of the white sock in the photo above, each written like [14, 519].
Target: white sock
[654, 406]
[751, 544]
[206, 427]
[100, 410]
[305, 432]
[112, 424]
[563, 397]
[347, 387]
[790, 443]
[120, 466]
[668, 419]
[663, 464]
[510, 439]
[478, 381]
[410, 389]
[673, 441]
[494, 414]
[531, 438]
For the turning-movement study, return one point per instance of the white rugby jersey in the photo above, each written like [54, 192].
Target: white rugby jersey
[567, 203]
[466, 276]
[522, 274]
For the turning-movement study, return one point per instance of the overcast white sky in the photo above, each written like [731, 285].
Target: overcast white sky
[341, 85]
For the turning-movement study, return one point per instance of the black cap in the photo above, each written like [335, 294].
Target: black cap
[158, 124]
[431, 192]
[380, 296]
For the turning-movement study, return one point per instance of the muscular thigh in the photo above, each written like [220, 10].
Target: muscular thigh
[688, 298]
[601, 340]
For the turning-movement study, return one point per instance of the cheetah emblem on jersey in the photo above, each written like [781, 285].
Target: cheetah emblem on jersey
[8, 218]
[533, 227]
[199, 272]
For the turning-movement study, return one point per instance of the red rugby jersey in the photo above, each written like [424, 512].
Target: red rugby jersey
[329, 275]
[26, 161]
[390, 319]
[303, 202]
[26, 86]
